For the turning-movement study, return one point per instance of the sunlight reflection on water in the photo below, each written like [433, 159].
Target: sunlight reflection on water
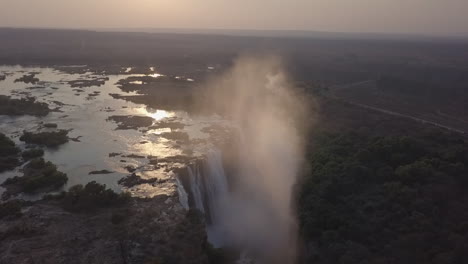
[86, 117]
[157, 115]
[156, 75]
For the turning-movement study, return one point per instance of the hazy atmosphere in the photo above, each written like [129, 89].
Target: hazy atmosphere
[435, 17]
[234, 132]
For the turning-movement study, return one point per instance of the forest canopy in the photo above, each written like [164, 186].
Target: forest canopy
[385, 199]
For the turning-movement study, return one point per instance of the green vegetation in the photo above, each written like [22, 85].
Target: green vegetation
[38, 175]
[32, 153]
[50, 125]
[392, 199]
[28, 78]
[20, 230]
[27, 106]
[219, 255]
[133, 179]
[131, 122]
[10, 209]
[8, 153]
[410, 87]
[119, 217]
[91, 197]
[100, 172]
[49, 139]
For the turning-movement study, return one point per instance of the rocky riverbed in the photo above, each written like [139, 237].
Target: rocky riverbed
[74, 120]
[156, 230]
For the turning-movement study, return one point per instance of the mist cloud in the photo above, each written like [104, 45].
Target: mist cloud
[256, 214]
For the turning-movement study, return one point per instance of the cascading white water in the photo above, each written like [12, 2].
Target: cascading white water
[183, 196]
[253, 214]
[209, 192]
[196, 186]
[215, 183]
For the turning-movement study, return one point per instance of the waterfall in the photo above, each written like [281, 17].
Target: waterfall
[208, 187]
[196, 187]
[247, 203]
[216, 189]
[215, 183]
[183, 197]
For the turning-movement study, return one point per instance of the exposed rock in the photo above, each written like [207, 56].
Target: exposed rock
[143, 231]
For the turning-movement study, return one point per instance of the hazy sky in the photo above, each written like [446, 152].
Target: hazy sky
[398, 16]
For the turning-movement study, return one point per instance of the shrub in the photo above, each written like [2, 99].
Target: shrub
[32, 153]
[118, 217]
[49, 139]
[28, 106]
[39, 174]
[7, 146]
[8, 153]
[91, 197]
[10, 209]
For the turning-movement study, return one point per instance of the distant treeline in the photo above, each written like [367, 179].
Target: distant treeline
[331, 60]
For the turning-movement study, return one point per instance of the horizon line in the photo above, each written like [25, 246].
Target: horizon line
[238, 32]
